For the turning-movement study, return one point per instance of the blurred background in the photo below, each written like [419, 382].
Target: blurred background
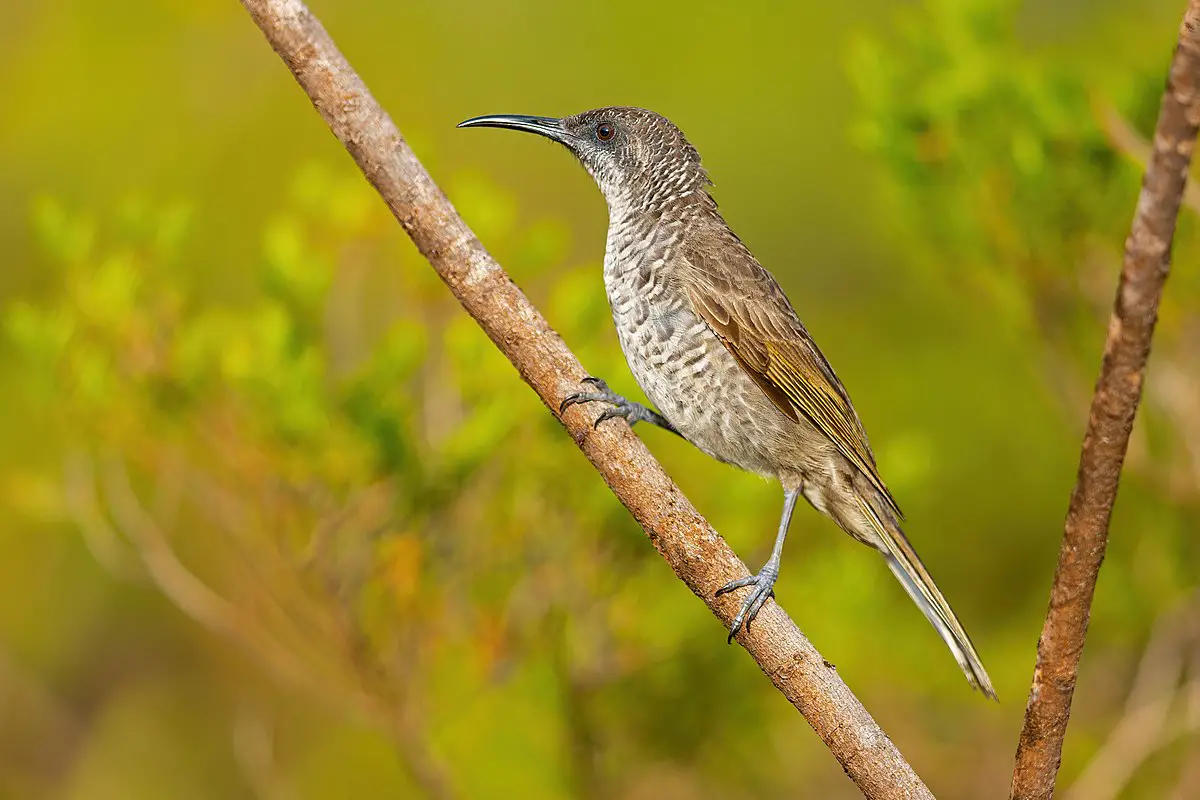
[278, 522]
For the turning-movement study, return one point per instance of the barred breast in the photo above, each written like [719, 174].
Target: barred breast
[680, 364]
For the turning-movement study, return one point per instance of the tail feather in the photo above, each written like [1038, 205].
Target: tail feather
[902, 559]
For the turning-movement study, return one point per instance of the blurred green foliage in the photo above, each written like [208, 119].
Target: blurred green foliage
[279, 521]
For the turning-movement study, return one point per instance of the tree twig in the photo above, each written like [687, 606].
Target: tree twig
[1155, 712]
[1114, 405]
[1125, 139]
[699, 557]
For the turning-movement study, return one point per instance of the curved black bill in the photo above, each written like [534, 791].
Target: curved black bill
[549, 127]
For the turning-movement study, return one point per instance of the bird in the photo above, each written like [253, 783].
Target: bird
[717, 347]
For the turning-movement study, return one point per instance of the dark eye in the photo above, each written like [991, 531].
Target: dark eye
[605, 131]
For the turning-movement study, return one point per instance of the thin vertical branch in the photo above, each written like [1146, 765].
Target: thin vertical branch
[1114, 405]
[699, 557]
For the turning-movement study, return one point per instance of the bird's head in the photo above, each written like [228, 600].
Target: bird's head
[636, 157]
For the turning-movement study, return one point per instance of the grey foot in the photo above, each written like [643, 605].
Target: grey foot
[763, 584]
[620, 407]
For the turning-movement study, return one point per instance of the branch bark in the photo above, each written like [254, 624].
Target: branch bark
[1114, 405]
[697, 554]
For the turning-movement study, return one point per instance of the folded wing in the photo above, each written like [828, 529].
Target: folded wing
[747, 310]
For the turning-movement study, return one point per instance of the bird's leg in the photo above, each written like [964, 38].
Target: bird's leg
[631, 411]
[764, 581]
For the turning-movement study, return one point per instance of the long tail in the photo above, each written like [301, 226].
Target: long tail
[902, 559]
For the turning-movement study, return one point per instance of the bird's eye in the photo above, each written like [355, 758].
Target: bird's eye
[605, 132]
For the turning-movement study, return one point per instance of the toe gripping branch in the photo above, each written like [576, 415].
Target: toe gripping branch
[630, 411]
[763, 583]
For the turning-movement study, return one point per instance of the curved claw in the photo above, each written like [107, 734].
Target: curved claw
[608, 413]
[749, 580]
[763, 584]
[761, 599]
[585, 397]
[631, 412]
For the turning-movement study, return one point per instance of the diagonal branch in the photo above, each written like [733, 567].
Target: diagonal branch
[1114, 405]
[699, 557]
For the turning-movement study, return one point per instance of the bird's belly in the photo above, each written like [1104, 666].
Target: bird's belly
[701, 389]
